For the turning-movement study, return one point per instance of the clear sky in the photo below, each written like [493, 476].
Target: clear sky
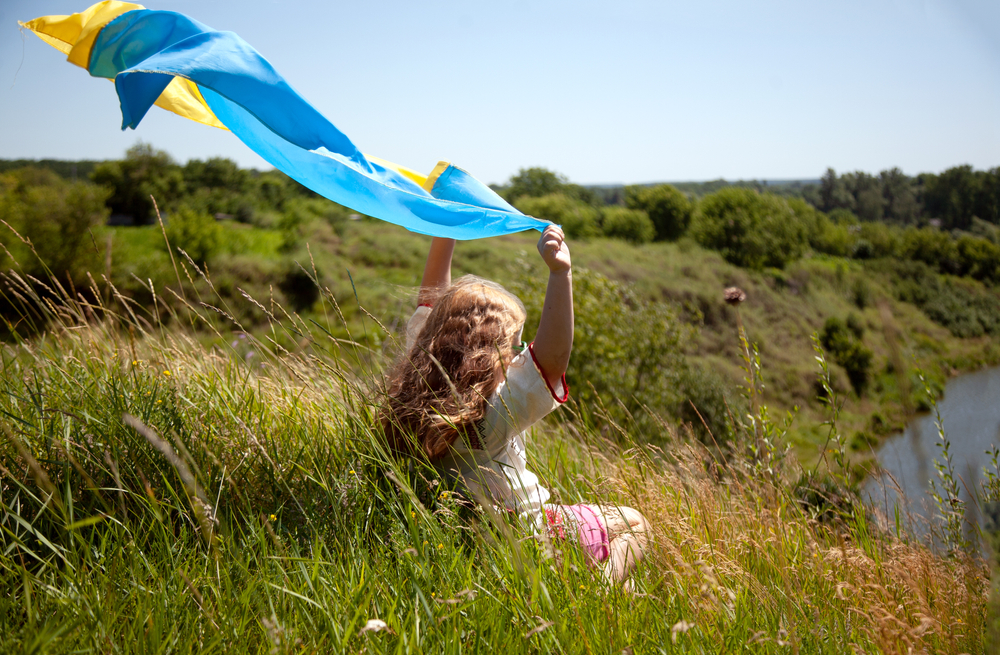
[603, 92]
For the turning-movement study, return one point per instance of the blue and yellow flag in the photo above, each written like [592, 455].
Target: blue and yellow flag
[217, 78]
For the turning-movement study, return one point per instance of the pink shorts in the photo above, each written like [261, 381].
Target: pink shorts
[590, 533]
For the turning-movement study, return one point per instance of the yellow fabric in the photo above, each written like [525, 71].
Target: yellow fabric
[75, 35]
[184, 99]
[432, 179]
[402, 170]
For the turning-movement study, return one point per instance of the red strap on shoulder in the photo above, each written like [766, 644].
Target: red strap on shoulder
[565, 396]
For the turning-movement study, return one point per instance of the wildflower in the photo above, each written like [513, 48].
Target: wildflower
[425, 542]
[158, 402]
[352, 472]
[413, 514]
[734, 295]
[583, 587]
[273, 518]
[444, 495]
[440, 546]
[135, 362]
[167, 373]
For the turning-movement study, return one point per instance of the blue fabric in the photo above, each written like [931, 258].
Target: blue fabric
[141, 50]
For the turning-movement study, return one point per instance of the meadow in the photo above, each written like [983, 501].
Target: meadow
[174, 481]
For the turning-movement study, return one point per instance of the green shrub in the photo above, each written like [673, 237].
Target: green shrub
[966, 309]
[627, 352]
[632, 225]
[843, 342]
[708, 403]
[57, 218]
[749, 229]
[194, 232]
[669, 209]
[578, 219]
[883, 239]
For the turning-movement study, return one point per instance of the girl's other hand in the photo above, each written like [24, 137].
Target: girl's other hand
[553, 249]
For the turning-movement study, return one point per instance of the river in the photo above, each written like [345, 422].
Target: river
[970, 413]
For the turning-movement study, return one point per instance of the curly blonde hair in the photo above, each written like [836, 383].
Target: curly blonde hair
[440, 388]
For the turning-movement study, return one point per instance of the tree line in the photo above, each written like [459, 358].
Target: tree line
[948, 221]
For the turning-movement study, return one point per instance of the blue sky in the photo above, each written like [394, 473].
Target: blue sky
[603, 92]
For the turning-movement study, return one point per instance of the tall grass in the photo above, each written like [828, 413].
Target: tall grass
[162, 495]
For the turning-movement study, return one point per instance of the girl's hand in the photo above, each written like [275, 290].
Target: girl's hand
[553, 249]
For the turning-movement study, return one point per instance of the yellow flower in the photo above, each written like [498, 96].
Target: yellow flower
[444, 494]
[273, 518]
[135, 362]
[425, 542]
[166, 373]
[413, 514]
[440, 546]
[583, 588]
[158, 402]
[352, 472]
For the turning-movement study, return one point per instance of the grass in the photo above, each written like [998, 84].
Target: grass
[164, 494]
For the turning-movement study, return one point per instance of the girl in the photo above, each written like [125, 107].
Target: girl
[467, 390]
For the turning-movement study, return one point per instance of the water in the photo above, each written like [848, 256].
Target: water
[970, 413]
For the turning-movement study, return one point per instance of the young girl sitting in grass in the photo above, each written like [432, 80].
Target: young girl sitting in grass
[467, 390]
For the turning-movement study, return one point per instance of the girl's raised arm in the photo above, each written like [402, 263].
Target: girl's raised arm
[554, 339]
[437, 271]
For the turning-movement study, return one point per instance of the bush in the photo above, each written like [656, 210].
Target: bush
[966, 309]
[57, 218]
[194, 232]
[578, 219]
[708, 403]
[298, 286]
[632, 225]
[669, 209]
[843, 342]
[749, 229]
[627, 353]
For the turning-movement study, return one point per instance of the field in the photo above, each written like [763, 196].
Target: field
[199, 470]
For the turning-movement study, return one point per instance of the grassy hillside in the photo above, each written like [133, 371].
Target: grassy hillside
[163, 493]
[379, 266]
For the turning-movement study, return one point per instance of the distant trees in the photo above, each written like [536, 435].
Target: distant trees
[143, 173]
[959, 194]
[956, 197]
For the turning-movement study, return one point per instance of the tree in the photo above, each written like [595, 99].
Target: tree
[901, 204]
[534, 182]
[143, 173]
[953, 195]
[833, 194]
[749, 229]
[669, 209]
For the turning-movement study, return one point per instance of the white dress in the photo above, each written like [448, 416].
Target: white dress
[493, 463]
